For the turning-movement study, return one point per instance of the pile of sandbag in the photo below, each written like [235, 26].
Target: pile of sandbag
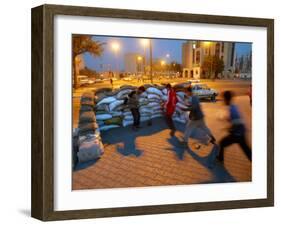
[87, 135]
[112, 112]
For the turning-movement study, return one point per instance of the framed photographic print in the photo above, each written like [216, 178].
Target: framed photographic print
[141, 112]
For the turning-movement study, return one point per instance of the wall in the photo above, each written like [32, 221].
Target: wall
[15, 112]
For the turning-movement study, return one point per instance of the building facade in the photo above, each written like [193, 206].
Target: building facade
[194, 53]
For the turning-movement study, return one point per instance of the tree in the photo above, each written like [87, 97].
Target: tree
[82, 44]
[213, 64]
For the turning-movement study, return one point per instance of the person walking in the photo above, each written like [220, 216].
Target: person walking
[237, 131]
[196, 118]
[133, 104]
[170, 107]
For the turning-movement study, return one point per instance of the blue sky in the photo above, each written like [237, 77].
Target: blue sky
[161, 47]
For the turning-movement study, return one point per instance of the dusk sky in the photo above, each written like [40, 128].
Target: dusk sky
[161, 47]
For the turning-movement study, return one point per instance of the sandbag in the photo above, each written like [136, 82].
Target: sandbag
[157, 116]
[153, 96]
[128, 117]
[181, 105]
[122, 93]
[165, 92]
[164, 97]
[86, 108]
[152, 104]
[107, 127]
[113, 121]
[153, 90]
[103, 116]
[116, 113]
[87, 128]
[106, 100]
[145, 118]
[115, 104]
[143, 94]
[87, 116]
[90, 150]
[127, 123]
[102, 107]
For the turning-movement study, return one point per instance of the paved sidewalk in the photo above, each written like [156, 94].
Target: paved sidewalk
[150, 157]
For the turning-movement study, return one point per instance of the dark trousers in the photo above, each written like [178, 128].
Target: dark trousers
[232, 139]
[136, 116]
[170, 122]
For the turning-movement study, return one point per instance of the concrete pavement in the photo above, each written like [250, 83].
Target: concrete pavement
[150, 157]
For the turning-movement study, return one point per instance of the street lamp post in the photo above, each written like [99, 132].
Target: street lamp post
[115, 47]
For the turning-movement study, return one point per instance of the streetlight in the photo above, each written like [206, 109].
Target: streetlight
[115, 47]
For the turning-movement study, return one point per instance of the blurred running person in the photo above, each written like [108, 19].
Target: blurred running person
[196, 118]
[237, 131]
[170, 107]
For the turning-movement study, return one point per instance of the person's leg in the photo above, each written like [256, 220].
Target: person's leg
[203, 126]
[137, 117]
[226, 141]
[188, 130]
[170, 124]
[134, 113]
[245, 147]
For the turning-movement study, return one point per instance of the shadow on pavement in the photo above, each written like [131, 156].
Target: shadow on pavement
[219, 172]
[128, 137]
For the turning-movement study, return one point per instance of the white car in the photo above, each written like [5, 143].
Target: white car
[204, 92]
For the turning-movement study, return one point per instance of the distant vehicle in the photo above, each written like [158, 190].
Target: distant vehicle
[84, 80]
[114, 79]
[204, 92]
[194, 80]
[98, 80]
[182, 86]
[127, 79]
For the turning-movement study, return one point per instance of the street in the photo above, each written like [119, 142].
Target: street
[150, 157]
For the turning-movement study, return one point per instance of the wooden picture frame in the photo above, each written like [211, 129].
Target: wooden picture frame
[43, 111]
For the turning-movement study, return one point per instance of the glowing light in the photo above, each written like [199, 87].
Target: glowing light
[115, 46]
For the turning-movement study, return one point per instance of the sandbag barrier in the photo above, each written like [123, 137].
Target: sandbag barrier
[87, 144]
[111, 112]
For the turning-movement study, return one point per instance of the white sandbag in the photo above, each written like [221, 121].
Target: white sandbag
[181, 94]
[126, 113]
[153, 104]
[143, 100]
[157, 112]
[103, 117]
[116, 113]
[177, 119]
[156, 108]
[107, 127]
[100, 122]
[106, 100]
[90, 150]
[154, 91]
[127, 123]
[129, 117]
[143, 95]
[144, 118]
[146, 110]
[157, 116]
[123, 93]
[164, 97]
[153, 96]
[115, 104]
[165, 91]
[181, 105]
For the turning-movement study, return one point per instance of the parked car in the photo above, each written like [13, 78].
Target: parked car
[204, 92]
[84, 80]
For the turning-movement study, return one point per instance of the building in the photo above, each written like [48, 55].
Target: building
[194, 53]
[134, 63]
